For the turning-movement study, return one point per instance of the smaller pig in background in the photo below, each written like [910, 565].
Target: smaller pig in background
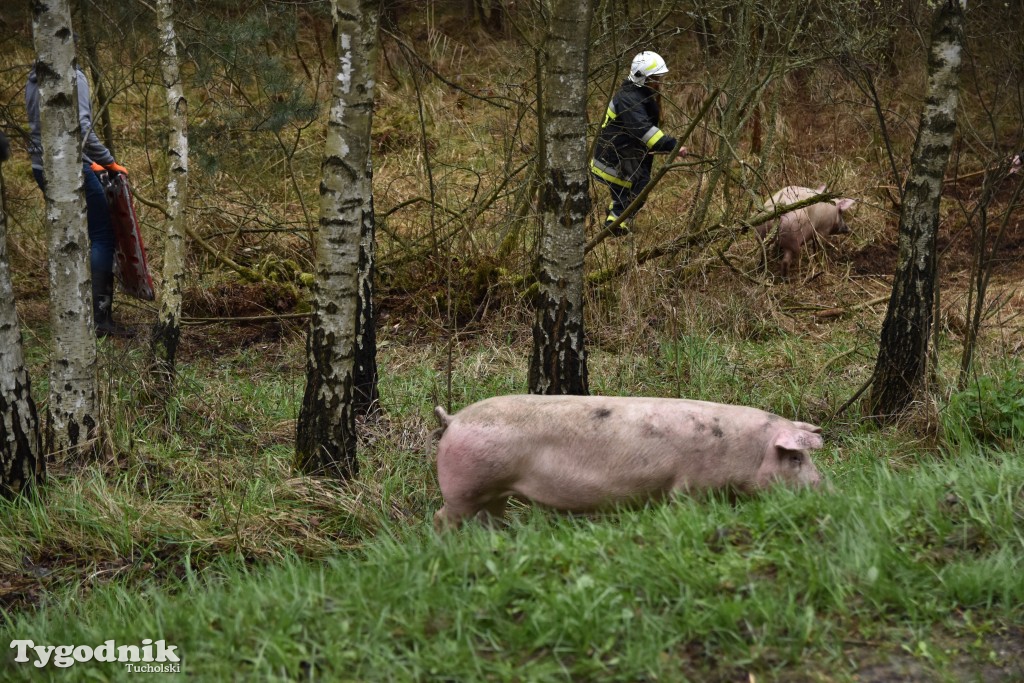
[807, 224]
[583, 453]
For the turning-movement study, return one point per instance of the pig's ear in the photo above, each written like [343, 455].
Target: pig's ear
[808, 427]
[798, 440]
[820, 188]
[845, 204]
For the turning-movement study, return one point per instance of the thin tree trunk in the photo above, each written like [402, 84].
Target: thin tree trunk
[167, 330]
[325, 434]
[22, 465]
[985, 249]
[901, 368]
[367, 395]
[559, 362]
[89, 39]
[72, 411]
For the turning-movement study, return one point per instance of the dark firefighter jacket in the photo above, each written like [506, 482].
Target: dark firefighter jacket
[629, 133]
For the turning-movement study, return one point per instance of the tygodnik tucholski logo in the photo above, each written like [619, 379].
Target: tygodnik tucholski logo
[149, 657]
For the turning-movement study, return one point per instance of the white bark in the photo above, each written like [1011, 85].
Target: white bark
[168, 327]
[72, 411]
[21, 461]
[325, 438]
[900, 369]
[559, 362]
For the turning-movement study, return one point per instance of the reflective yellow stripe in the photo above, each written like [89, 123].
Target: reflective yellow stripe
[611, 219]
[652, 136]
[610, 114]
[607, 174]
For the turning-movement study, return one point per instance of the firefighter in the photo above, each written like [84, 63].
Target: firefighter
[631, 135]
[95, 158]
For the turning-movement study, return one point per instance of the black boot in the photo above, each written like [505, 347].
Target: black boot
[102, 307]
[619, 231]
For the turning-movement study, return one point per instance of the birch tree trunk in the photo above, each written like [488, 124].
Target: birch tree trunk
[325, 433]
[22, 465]
[367, 396]
[559, 361]
[900, 369]
[73, 410]
[167, 329]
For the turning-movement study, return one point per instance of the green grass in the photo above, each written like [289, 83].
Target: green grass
[200, 533]
[690, 590]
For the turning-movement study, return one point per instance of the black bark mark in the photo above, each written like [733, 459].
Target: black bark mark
[325, 433]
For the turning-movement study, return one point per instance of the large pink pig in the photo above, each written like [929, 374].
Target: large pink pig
[582, 453]
[800, 226]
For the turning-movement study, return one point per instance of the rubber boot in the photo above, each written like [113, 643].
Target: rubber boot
[103, 307]
[619, 231]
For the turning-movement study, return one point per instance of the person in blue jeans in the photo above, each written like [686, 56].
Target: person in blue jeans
[95, 156]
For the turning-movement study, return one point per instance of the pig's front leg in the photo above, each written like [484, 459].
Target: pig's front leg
[455, 511]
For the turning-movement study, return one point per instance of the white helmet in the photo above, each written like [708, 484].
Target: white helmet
[646, 64]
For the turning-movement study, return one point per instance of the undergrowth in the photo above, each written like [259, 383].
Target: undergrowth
[196, 530]
[923, 565]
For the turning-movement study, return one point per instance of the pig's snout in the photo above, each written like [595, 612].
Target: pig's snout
[813, 478]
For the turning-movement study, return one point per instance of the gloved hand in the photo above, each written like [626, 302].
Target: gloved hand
[96, 168]
[116, 168]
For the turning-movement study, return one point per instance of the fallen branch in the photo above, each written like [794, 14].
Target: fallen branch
[725, 259]
[493, 101]
[247, 273]
[247, 319]
[781, 209]
[702, 238]
[840, 311]
[872, 302]
[150, 203]
[698, 239]
[853, 398]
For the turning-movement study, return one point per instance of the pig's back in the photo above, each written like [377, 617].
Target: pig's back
[614, 434]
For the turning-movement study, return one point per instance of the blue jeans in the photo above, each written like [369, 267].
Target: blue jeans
[101, 228]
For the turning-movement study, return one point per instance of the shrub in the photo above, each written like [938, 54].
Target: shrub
[990, 411]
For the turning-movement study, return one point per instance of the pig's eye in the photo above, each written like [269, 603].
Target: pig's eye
[796, 459]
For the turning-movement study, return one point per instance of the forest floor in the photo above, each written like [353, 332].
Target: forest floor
[206, 490]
